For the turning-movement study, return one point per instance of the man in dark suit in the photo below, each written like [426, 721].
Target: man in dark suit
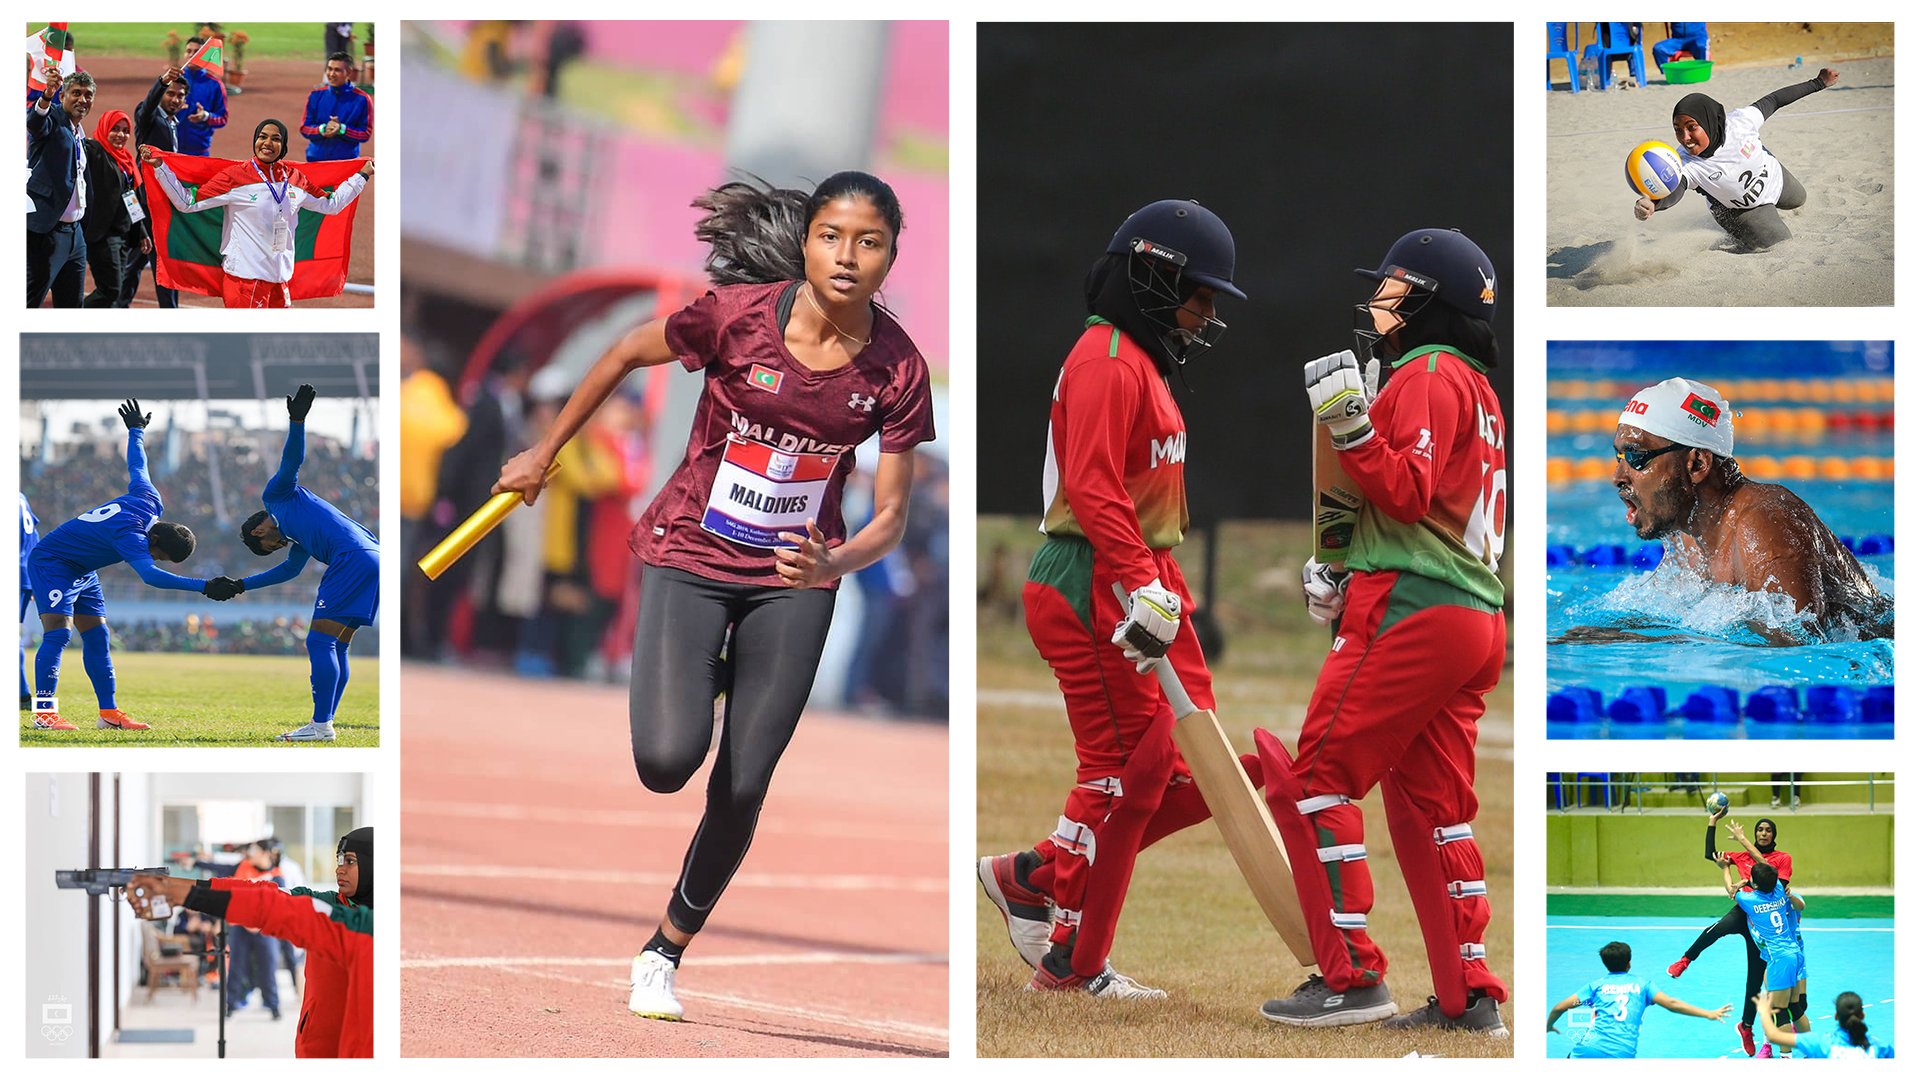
[154, 123]
[57, 184]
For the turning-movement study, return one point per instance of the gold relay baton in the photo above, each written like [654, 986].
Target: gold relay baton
[474, 529]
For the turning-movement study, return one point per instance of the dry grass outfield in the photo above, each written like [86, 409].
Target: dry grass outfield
[1190, 925]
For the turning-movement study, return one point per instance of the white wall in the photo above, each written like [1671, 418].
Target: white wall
[55, 957]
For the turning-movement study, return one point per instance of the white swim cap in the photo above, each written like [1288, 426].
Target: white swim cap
[1689, 413]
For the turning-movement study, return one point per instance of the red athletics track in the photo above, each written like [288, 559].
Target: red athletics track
[276, 88]
[534, 865]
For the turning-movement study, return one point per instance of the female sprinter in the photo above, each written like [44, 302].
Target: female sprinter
[1116, 507]
[1760, 849]
[801, 366]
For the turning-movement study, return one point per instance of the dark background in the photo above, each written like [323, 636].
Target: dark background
[1319, 145]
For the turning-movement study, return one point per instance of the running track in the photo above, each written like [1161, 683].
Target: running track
[533, 866]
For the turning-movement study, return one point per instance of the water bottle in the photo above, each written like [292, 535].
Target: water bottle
[1795, 66]
[1589, 73]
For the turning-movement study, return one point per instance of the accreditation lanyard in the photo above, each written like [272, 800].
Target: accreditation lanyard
[281, 234]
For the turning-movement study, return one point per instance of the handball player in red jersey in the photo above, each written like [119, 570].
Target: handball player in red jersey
[801, 365]
[1116, 505]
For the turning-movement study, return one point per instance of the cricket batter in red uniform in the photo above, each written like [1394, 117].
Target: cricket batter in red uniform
[1421, 642]
[743, 549]
[1116, 505]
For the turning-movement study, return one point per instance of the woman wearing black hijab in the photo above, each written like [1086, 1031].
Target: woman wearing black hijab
[1762, 848]
[1721, 154]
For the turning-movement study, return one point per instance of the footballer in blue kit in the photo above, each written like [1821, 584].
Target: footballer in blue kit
[63, 570]
[1618, 1000]
[29, 536]
[311, 528]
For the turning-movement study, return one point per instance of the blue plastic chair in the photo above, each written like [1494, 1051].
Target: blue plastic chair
[1615, 42]
[1564, 44]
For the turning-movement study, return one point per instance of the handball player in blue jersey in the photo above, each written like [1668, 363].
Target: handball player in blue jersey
[1618, 999]
[64, 572]
[312, 528]
[1773, 917]
[1848, 1039]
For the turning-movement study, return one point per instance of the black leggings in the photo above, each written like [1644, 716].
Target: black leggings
[1735, 922]
[778, 634]
[1760, 227]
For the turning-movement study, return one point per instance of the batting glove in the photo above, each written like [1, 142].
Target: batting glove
[1339, 398]
[1152, 622]
[1326, 590]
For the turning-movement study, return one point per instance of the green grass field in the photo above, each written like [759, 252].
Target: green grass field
[1190, 926]
[265, 41]
[197, 700]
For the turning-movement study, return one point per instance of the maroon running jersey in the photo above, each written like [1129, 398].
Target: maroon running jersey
[772, 440]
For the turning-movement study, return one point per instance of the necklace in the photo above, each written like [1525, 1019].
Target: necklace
[862, 342]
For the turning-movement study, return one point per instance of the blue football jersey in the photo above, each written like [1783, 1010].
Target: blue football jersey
[305, 519]
[29, 536]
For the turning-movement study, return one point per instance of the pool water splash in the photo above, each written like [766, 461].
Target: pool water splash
[1676, 596]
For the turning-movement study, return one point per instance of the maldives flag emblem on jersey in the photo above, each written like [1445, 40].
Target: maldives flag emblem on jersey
[765, 378]
[187, 246]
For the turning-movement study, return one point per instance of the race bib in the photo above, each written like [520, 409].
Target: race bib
[760, 492]
[134, 213]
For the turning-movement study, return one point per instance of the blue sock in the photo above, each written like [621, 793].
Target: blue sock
[98, 655]
[326, 674]
[340, 687]
[46, 662]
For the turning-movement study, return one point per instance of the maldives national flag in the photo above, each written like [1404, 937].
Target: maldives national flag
[210, 57]
[186, 247]
[49, 46]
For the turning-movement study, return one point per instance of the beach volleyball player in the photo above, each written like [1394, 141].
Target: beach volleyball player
[1721, 156]
[801, 365]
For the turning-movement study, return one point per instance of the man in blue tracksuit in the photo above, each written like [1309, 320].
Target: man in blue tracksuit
[339, 118]
[205, 111]
[312, 528]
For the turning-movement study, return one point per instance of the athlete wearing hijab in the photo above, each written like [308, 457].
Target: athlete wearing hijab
[263, 198]
[801, 365]
[1116, 506]
[1762, 848]
[336, 929]
[1421, 642]
[1745, 186]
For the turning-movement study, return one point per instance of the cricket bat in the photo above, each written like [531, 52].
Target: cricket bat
[1336, 502]
[1245, 825]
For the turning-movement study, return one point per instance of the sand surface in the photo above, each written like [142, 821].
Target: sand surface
[1839, 143]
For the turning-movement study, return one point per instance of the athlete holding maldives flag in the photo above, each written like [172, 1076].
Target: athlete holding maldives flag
[262, 198]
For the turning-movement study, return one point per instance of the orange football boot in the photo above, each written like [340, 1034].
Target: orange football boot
[114, 718]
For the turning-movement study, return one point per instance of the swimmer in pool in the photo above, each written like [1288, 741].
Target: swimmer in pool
[1674, 469]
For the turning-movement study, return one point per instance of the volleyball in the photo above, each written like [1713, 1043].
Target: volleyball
[1717, 803]
[1653, 169]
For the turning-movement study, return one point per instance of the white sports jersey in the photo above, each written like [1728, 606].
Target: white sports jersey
[257, 239]
[1741, 174]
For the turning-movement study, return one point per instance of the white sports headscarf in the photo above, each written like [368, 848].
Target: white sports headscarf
[1689, 413]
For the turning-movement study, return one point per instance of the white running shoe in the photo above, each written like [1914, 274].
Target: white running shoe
[652, 995]
[307, 733]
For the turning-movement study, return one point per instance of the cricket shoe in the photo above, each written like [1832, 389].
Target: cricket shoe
[51, 721]
[1025, 910]
[114, 718]
[307, 733]
[1674, 969]
[1482, 1016]
[1109, 984]
[1315, 1004]
[652, 995]
[1746, 1038]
